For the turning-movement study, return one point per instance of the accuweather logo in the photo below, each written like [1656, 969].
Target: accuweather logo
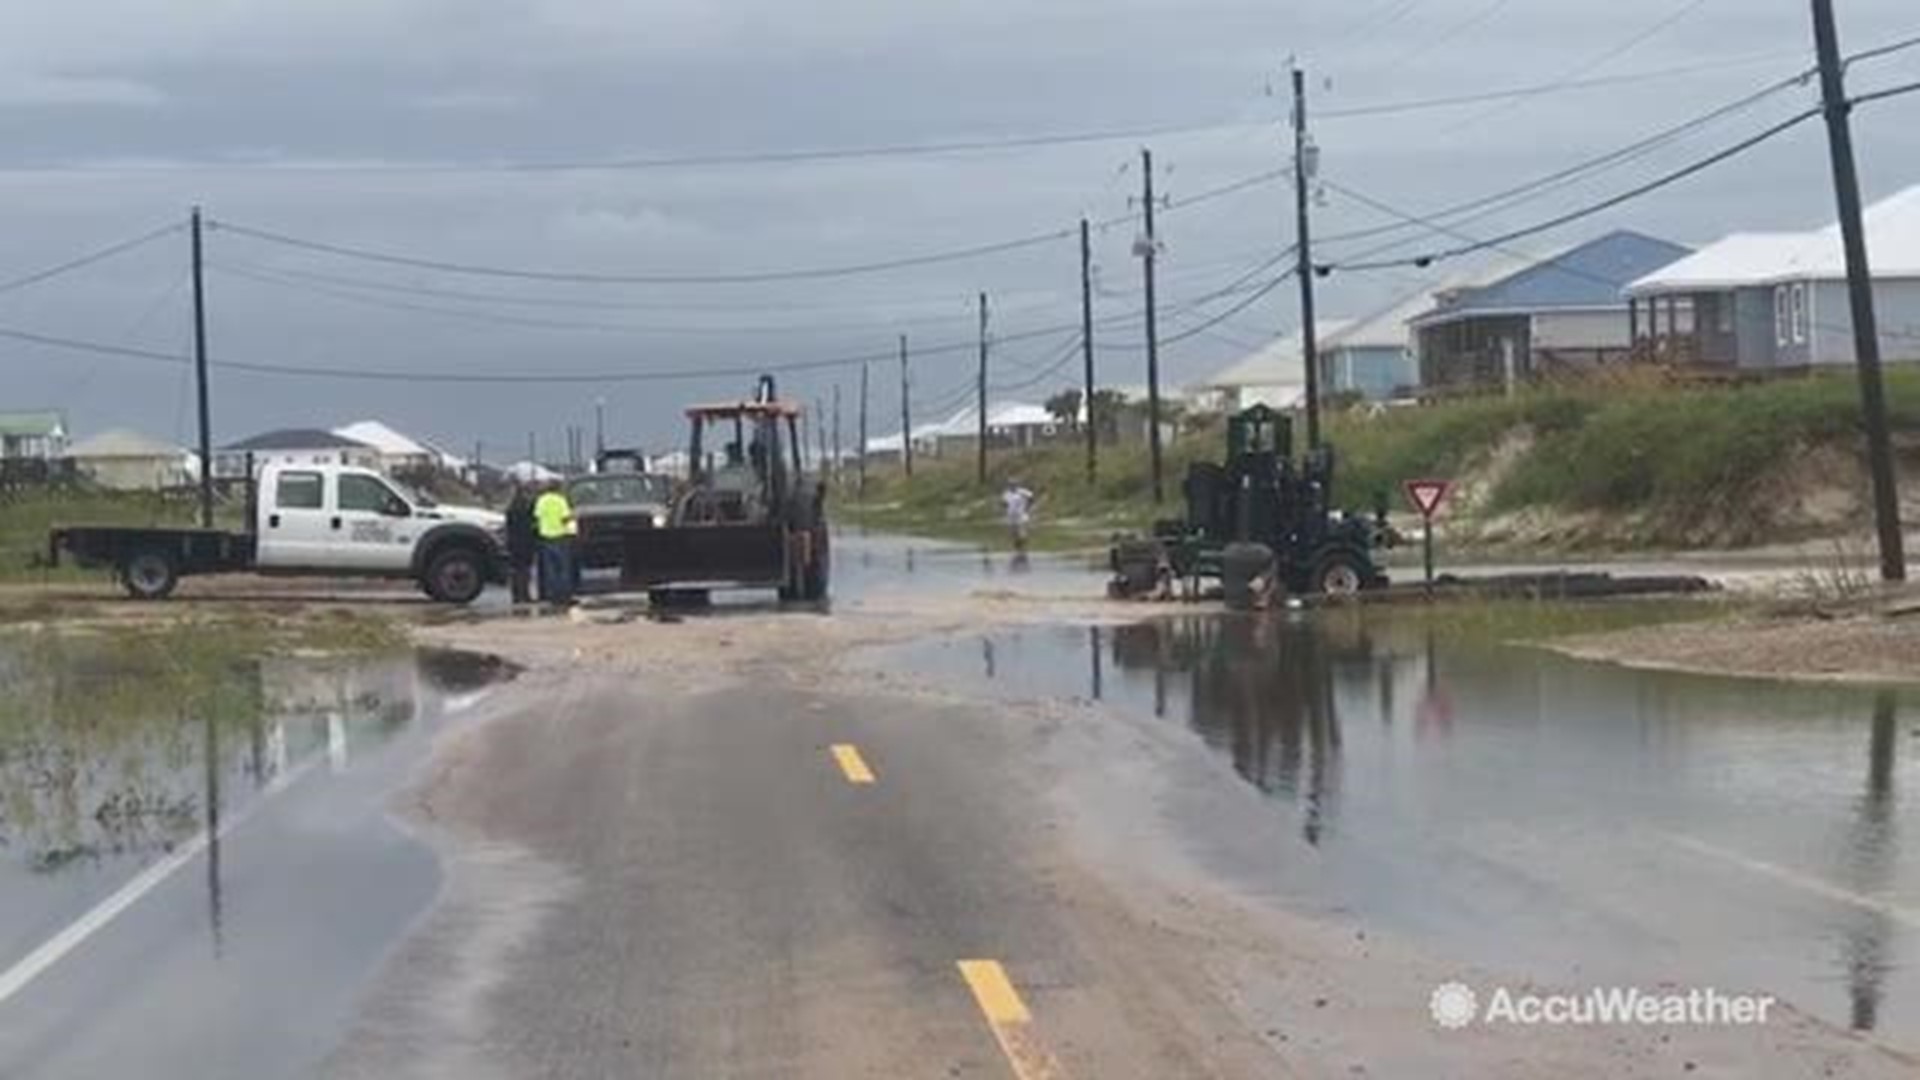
[1455, 1005]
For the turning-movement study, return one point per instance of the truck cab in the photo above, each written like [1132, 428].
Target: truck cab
[344, 520]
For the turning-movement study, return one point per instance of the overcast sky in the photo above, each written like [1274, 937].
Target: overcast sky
[384, 124]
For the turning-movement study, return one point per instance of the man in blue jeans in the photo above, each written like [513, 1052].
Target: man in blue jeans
[553, 518]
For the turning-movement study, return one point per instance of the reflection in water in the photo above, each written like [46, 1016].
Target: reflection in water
[1258, 687]
[1550, 813]
[1868, 870]
[115, 754]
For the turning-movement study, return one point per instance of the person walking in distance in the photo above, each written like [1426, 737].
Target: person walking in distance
[523, 541]
[553, 519]
[1018, 503]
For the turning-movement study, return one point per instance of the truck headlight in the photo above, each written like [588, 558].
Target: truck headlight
[659, 521]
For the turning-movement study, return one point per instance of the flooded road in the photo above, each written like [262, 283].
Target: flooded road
[197, 867]
[1573, 822]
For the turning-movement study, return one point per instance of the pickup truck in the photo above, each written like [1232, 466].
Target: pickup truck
[310, 521]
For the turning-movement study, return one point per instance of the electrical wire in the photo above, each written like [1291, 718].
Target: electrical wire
[740, 278]
[745, 278]
[1889, 92]
[361, 295]
[1486, 206]
[88, 259]
[1879, 51]
[1663, 181]
[579, 303]
[1659, 27]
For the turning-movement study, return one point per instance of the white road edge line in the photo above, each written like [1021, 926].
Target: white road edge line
[1796, 879]
[55, 948]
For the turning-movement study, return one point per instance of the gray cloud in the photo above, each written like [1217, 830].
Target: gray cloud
[360, 85]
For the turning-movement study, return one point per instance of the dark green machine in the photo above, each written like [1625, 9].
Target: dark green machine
[1261, 495]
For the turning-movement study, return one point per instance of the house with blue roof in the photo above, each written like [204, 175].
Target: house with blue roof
[1564, 313]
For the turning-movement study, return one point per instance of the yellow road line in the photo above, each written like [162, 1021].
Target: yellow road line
[1010, 1021]
[852, 764]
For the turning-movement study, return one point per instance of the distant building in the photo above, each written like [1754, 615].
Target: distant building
[399, 453]
[293, 446]
[1275, 375]
[1372, 358]
[129, 461]
[1565, 313]
[1758, 302]
[35, 435]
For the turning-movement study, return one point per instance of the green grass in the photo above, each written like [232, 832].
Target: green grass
[26, 517]
[1693, 460]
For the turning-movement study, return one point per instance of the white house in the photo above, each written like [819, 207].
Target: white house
[37, 435]
[129, 461]
[1778, 301]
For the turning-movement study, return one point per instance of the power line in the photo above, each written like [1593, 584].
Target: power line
[393, 375]
[745, 278]
[738, 278]
[1590, 210]
[1889, 92]
[807, 155]
[1416, 105]
[579, 303]
[1879, 51]
[1486, 206]
[88, 259]
[370, 295]
[1659, 27]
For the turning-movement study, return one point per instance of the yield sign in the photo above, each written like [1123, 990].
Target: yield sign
[1427, 495]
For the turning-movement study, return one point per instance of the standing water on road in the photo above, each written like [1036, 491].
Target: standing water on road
[1578, 823]
[197, 870]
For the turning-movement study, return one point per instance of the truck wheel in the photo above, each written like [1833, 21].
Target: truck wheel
[1339, 575]
[149, 574]
[455, 576]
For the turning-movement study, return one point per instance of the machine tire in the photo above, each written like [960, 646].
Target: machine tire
[1339, 575]
[817, 575]
[149, 574]
[455, 575]
[1241, 564]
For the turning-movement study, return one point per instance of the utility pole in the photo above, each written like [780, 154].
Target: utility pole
[1302, 173]
[1866, 329]
[863, 429]
[599, 426]
[906, 412]
[533, 449]
[981, 392]
[1086, 347]
[836, 432]
[200, 378]
[1149, 252]
[820, 434]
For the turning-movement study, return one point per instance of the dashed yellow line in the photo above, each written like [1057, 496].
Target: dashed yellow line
[1011, 1022]
[852, 764]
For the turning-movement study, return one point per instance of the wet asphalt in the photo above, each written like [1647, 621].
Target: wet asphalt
[674, 882]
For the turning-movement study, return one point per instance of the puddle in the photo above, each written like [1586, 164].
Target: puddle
[1517, 809]
[196, 858]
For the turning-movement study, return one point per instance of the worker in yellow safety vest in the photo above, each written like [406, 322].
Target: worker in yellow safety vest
[554, 521]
